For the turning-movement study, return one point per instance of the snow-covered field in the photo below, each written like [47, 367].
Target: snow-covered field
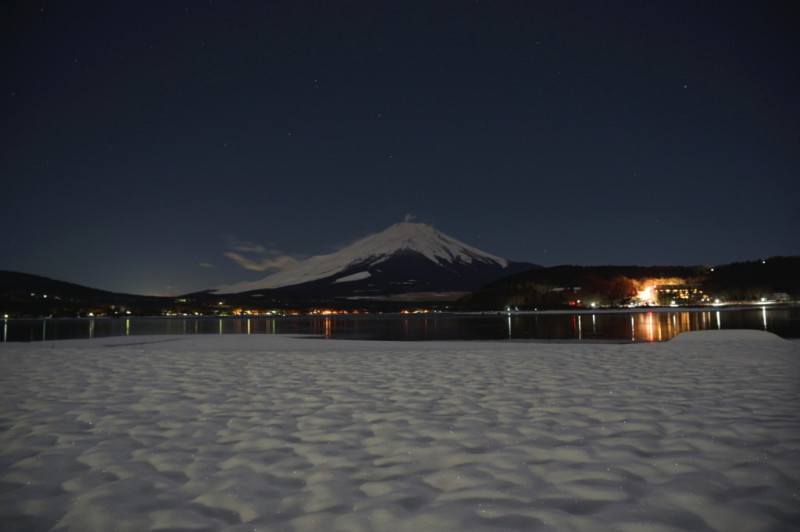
[277, 433]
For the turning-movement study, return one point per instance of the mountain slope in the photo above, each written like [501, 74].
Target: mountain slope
[406, 257]
[23, 294]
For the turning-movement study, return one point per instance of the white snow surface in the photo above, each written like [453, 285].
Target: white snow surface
[372, 250]
[267, 432]
[712, 335]
[354, 277]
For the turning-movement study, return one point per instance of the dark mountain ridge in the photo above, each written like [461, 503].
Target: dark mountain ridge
[544, 287]
[24, 294]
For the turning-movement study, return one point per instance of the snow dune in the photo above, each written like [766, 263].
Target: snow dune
[271, 432]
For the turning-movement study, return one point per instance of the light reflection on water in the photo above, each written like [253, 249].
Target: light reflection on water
[625, 326]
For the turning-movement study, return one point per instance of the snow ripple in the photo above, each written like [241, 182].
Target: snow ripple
[275, 433]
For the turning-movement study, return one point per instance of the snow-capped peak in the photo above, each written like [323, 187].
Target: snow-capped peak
[415, 237]
[423, 239]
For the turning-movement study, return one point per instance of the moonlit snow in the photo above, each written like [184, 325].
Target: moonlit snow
[270, 432]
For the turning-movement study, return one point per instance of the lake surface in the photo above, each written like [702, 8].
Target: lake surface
[583, 326]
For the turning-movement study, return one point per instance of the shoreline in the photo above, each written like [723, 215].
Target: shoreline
[574, 326]
[635, 310]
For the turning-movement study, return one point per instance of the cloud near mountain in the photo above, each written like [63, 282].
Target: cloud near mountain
[255, 257]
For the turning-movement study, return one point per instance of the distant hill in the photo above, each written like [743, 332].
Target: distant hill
[545, 287]
[15, 284]
[747, 280]
[23, 294]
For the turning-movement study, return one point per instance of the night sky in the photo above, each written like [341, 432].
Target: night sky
[170, 147]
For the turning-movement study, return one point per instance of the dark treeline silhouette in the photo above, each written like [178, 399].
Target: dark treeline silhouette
[560, 286]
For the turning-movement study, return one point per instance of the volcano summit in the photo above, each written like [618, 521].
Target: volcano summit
[407, 258]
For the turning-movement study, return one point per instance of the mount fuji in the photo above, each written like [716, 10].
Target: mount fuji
[407, 258]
